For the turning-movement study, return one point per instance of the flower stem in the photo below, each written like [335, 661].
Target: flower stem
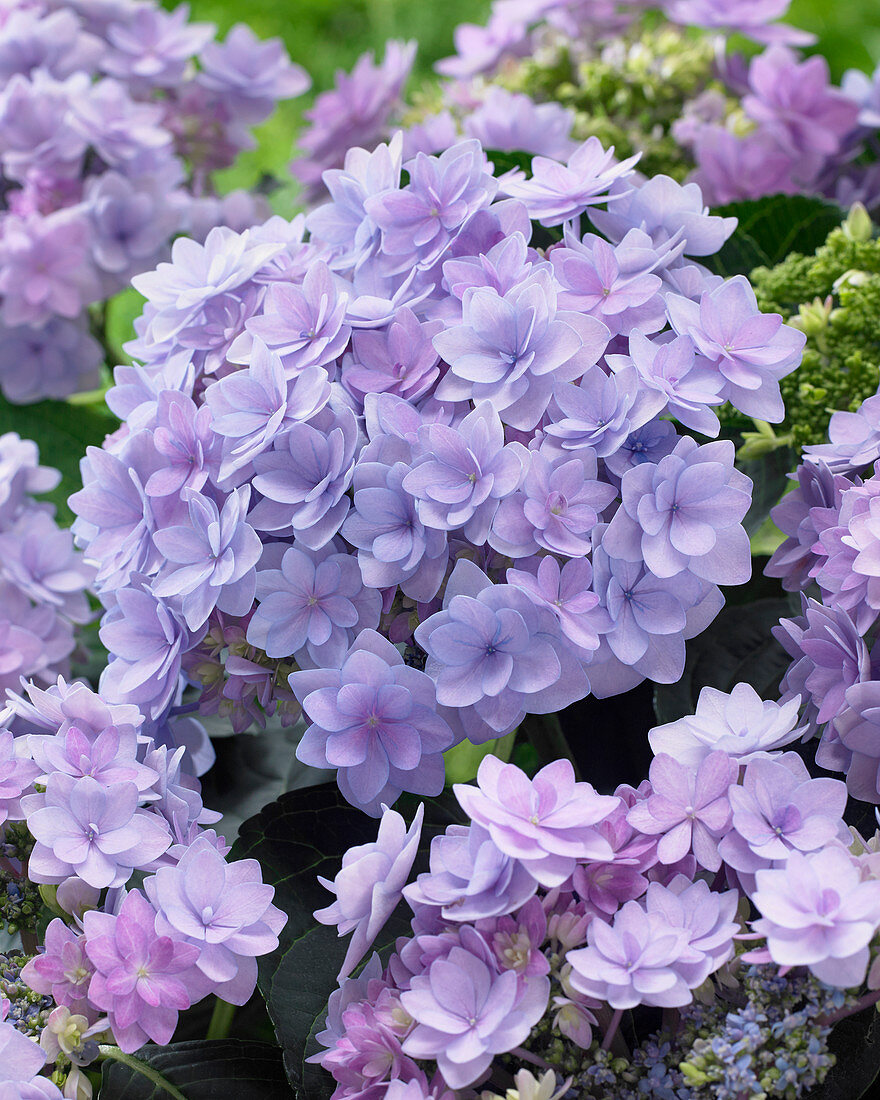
[611, 1030]
[546, 737]
[527, 1056]
[221, 1020]
[841, 1013]
[114, 1054]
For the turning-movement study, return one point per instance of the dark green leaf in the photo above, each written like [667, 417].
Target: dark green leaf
[227, 1069]
[302, 835]
[769, 228]
[508, 161]
[769, 475]
[253, 769]
[62, 431]
[737, 647]
[856, 1043]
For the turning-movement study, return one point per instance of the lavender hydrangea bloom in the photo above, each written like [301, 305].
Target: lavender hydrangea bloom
[63, 969]
[394, 545]
[793, 101]
[250, 409]
[799, 515]
[110, 756]
[223, 909]
[514, 350]
[556, 508]
[460, 474]
[634, 960]
[566, 593]
[557, 192]
[858, 729]
[370, 884]
[91, 830]
[666, 211]
[21, 1059]
[44, 268]
[512, 122]
[732, 168]
[140, 977]
[399, 360]
[304, 324]
[817, 911]
[315, 601]
[374, 719]
[154, 45]
[614, 284]
[685, 513]
[465, 1013]
[854, 439]
[146, 639]
[691, 809]
[751, 350]
[778, 809]
[55, 360]
[601, 410]
[183, 437]
[211, 562]
[540, 822]
[828, 657]
[354, 111]
[740, 724]
[749, 17]
[17, 773]
[250, 75]
[709, 918]
[690, 386]
[496, 655]
[419, 221]
[470, 878]
[305, 477]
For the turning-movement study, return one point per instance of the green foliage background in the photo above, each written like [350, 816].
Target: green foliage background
[324, 35]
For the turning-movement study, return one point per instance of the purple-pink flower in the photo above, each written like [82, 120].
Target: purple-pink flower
[547, 823]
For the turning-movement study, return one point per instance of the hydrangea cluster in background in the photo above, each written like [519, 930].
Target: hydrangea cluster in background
[113, 119]
[43, 579]
[105, 796]
[542, 76]
[399, 422]
[831, 555]
[555, 910]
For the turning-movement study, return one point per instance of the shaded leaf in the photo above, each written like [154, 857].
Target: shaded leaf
[253, 769]
[737, 647]
[856, 1043]
[300, 836]
[770, 228]
[217, 1070]
[769, 475]
[62, 432]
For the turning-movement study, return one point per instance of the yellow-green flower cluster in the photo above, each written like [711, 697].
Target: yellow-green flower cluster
[834, 297]
[629, 91]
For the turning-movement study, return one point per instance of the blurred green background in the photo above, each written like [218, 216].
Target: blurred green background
[324, 35]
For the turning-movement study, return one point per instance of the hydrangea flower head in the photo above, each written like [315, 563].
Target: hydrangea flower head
[541, 822]
[374, 719]
[465, 1013]
[739, 723]
[817, 911]
[370, 884]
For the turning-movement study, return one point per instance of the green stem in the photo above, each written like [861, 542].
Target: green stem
[544, 733]
[106, 1051]
[221, 1020]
